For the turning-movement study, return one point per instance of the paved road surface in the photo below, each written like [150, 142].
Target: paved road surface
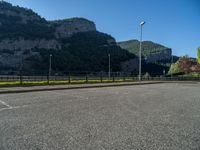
[158, 116]
[24, 89]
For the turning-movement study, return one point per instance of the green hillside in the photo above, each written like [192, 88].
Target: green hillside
[148, 47]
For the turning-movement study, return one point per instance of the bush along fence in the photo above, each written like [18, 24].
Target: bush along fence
[97, 77]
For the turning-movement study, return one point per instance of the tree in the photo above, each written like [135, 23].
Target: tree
[198, 57]
[196, 68]
[186, 64]
[175, 68]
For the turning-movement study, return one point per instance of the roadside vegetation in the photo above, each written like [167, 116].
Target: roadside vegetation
[186, 66]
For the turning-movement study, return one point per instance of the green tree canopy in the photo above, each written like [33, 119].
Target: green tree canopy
[175, 68]
[198, 57]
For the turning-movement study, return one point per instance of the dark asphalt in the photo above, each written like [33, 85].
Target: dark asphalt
[157, 116]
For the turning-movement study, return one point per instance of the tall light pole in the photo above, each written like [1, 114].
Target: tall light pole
[50, 65]
[172, 61]
[140, 52]
[109, 66]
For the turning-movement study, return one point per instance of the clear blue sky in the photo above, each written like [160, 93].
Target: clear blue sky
[173, 23]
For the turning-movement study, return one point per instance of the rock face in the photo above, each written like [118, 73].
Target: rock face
[22, 44]
[164, 55]
[66, 28]
[12, 60]
[22, 31]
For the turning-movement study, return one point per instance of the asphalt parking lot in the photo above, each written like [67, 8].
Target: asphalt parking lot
[156, 116]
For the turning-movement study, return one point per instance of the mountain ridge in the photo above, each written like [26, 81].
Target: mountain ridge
[151, 51]
[27, 40]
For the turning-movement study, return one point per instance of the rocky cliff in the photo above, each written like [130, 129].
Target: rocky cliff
[68, 27]
[27, 40]
[22, 28]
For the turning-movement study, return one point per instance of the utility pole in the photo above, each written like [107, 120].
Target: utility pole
[172, 61]
[50, 65]
[109, 70]
[140, 52]
[21, 69]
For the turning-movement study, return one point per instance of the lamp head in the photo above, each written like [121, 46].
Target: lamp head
[142, 23]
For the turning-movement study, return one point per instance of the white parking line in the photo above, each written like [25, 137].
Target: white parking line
[4, 103]
[9, 107]
[16, 107]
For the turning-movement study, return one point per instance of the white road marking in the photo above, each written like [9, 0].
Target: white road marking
[9, 107]
[4, 103]
[16, 107]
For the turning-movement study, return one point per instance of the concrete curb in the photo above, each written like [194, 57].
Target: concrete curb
[78, 87]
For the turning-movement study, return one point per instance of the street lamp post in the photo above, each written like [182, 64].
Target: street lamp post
[109, 66]
[50, 65]
[140, 52]
[172, 61]
[21, 68]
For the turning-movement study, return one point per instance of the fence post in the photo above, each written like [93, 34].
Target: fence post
[86, 78]
[69, 79]
[113, 78]
[47, 79]
[21, 79]
[101, 77]
[133, 78]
